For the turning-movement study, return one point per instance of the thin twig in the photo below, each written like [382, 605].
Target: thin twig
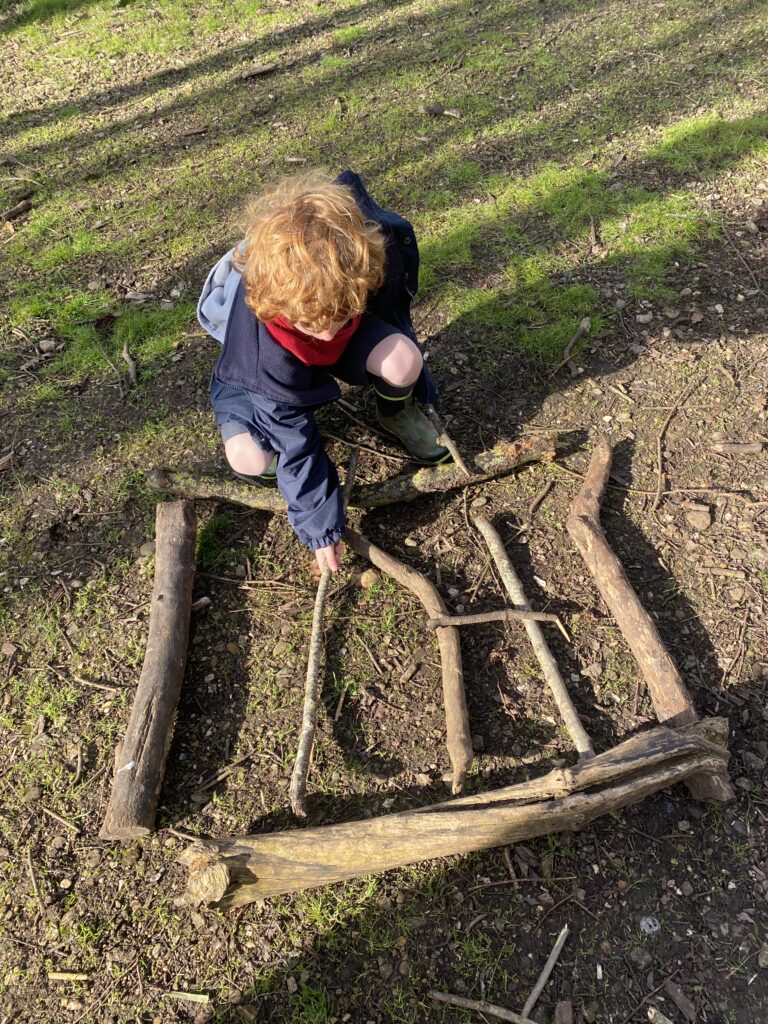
[35, 888]
[549, 966]
[744, 263]
[480, 1005]
[540, 497]
[131, 364]
[505, 615]
[446, 441]
[584, 328]
[650, 995]
[61, 821]
[541, 649]
[717, 491]
[686, 393]
[298, 788]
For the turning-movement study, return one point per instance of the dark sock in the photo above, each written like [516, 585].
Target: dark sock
[390, 399]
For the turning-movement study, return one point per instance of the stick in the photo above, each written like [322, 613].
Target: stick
[543, 654]
[35, 889]
[312, 686]
[61, 821]
[500, 461]
[549, 966]
[584, 328]
[235, 870]
[539, 498]
[667, 690]
[685, 394]
[445, 440]
[505, 615]
[480, 1005]
[132, 365]
[141, 757]
[458, 739]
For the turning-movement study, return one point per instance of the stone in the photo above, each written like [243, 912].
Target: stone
[762, 958]
[640, 957]
[699, 518]
[147, 548]
[47, 344]
[644, 318]
[369, 578]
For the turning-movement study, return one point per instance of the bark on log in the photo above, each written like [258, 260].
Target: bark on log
[668, 693]
[140, 759]
[458, 738]
[234, 871]
[500, 461]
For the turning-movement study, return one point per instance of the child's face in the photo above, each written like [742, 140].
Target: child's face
[328, 335]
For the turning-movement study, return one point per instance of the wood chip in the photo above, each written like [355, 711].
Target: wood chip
[681, 1000]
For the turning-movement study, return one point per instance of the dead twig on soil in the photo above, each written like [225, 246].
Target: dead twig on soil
[446, 441]
[540, 498]
[35, 887]
[549, 966]
[684, 395]
[132, 366]
[504, 615]
[480, 1006]
[61, 821]
[584, 328]
[742, 259]
[298, 788]
[541, 649]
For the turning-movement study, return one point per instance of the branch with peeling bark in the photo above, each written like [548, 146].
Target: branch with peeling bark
[491, 465]
[233, 871]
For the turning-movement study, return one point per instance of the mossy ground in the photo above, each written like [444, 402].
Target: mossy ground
[607, 161]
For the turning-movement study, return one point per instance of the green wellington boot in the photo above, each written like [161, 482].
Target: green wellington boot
[414, 431]
[266, 479]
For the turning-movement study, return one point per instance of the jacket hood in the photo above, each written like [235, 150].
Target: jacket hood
[218, 296]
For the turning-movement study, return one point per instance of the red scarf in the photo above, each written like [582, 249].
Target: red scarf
[311, 351]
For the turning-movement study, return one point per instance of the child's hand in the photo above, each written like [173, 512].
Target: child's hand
[328, 558]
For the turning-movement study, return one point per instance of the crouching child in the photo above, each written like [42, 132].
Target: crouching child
[319, 291]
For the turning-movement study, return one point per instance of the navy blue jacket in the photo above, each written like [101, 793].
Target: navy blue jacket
[280, 391]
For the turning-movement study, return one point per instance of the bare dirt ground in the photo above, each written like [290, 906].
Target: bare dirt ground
[686, 376]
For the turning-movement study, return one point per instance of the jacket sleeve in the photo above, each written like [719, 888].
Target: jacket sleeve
[307, 478]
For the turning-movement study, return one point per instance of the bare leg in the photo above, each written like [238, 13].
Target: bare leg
[396, 360]
[245, 456]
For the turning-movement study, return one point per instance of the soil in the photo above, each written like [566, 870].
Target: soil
[666, 902]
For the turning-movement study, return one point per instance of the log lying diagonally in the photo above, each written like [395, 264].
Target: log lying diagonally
[491, 465]
[458, 736]
[665, 685]
[237, 870]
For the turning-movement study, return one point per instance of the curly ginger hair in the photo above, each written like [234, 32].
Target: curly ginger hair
[309, 255]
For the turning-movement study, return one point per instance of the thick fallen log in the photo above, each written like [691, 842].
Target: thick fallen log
[234, 871]
[499, 462]
[140, 758]
[458, 736]
[668, 693]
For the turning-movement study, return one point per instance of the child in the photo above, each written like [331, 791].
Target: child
[319, 289]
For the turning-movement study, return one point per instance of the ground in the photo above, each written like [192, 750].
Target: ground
[602, 160]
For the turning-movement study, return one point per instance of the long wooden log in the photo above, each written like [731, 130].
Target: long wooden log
[234, 871]
[668, 693]
[502, 460]
[141, 757]
[458, 736]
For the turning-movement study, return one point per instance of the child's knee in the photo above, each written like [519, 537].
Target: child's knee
[397, 359]
[245, 456]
